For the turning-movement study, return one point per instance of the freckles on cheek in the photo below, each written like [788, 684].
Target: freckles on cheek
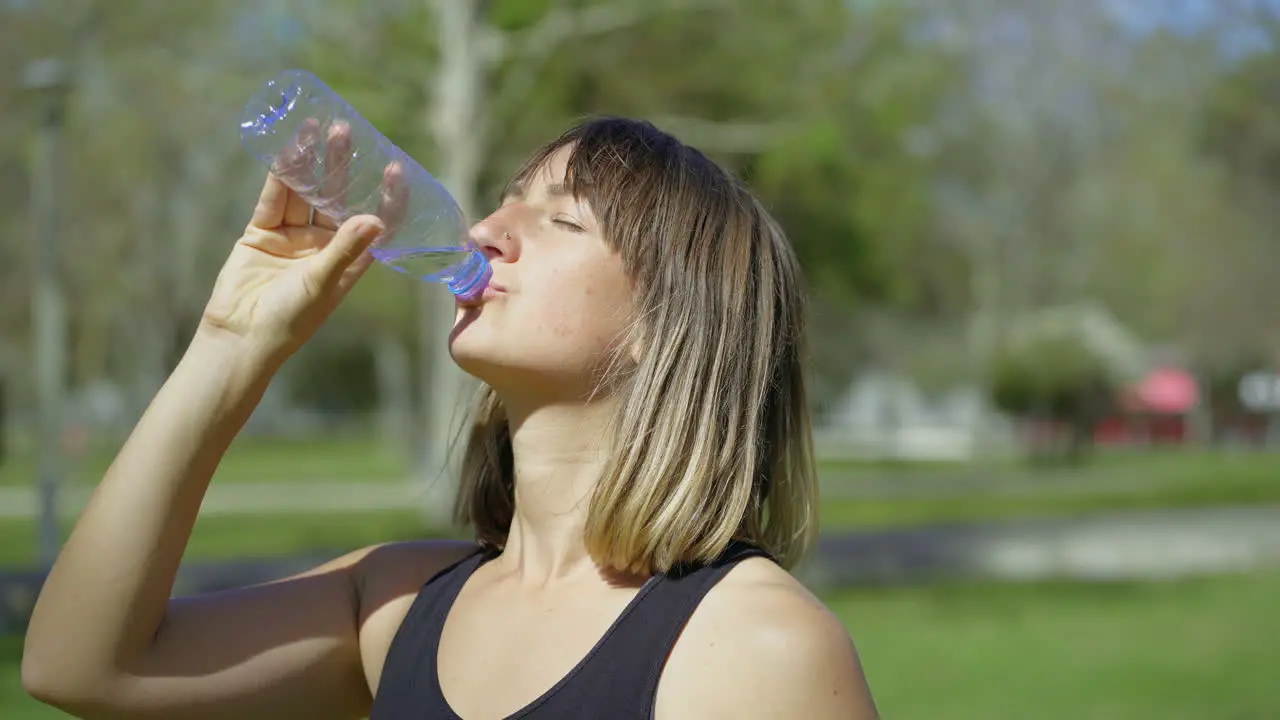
[559, 322]
[576, 303]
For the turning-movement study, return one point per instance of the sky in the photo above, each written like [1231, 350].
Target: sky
[1190, 16]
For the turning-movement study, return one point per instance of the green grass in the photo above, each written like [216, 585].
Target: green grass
[1157, 480]
[1162, 651]
[979, 506]
[1198, 649]
[1232, 478]
[1167, 480]
[241, 536]
[1186, 650]
[1152, 466]
[249, 460]
[14, 702]
[358, 458]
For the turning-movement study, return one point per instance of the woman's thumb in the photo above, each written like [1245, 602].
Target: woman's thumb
[347, 245]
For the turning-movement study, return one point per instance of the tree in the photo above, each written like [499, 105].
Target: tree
[469, 88]
[1239, 133]
[1054, 379]
[142, 188]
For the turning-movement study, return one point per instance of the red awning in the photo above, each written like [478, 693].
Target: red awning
[1166, 390]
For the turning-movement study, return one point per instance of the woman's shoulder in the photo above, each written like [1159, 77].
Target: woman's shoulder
[412, 562]
[759, 594]
[385, 580]
[761, 642]
[394, 572]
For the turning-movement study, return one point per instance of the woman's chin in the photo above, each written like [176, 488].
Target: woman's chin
[475, 356]
[464, 354]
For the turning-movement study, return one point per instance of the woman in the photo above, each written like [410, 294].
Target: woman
[638, 474]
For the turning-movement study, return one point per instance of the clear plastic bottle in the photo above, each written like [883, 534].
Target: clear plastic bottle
[288, 123]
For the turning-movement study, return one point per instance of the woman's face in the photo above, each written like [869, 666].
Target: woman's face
[559, 298]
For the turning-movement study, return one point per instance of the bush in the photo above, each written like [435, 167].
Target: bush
[1057, 379]
[335, 377]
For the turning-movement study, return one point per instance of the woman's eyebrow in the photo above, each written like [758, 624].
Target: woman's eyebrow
[515, 190]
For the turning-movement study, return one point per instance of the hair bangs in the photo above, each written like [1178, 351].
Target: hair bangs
[622, 169]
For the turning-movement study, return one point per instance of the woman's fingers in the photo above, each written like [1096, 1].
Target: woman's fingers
[394, 203]
[296, 166]
[269, 212]
[347, 249]
[337, 162]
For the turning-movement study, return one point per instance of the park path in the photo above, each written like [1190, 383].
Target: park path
[1122, 546]
[1106, 546]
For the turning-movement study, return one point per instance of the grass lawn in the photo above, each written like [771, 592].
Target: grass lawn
[1206, 491]
[1166, 651]
[249, 460]
[1158, 480]
[1198, 649]
[356, 458]
[1156, 466]
[1112, 482]
[241, 536]
[14, 703]
[1187, 650]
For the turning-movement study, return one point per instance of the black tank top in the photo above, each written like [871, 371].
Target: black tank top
[617, 679]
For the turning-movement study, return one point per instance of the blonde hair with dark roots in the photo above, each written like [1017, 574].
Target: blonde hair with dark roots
[712, 440]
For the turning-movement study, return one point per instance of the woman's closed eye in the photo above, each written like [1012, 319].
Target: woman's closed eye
[569, 224]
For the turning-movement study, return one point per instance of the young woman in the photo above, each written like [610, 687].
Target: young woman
[638, 476]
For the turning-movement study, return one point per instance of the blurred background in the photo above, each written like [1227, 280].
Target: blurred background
[1041, 237]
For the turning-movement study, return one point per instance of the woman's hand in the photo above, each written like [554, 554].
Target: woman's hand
[293, 266]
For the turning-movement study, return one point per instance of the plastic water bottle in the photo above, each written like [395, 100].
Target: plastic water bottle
[287, 125]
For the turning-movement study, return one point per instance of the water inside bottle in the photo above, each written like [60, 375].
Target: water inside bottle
[422, 262]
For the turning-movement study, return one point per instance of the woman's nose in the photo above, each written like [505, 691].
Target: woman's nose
[497, 237]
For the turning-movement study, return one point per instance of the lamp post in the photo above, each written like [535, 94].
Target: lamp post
[47, 83]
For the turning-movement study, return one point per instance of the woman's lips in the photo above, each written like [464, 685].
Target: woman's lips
[490, 292]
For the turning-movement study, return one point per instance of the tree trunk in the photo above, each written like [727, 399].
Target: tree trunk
[393, 367]
[4, 417]
[454, 126]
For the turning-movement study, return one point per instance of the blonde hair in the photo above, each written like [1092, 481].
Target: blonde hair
[712, 439]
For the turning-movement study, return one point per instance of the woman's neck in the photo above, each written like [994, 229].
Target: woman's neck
[560, 451]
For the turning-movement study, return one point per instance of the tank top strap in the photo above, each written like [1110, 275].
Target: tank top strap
[407, 687]
[620, 679]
